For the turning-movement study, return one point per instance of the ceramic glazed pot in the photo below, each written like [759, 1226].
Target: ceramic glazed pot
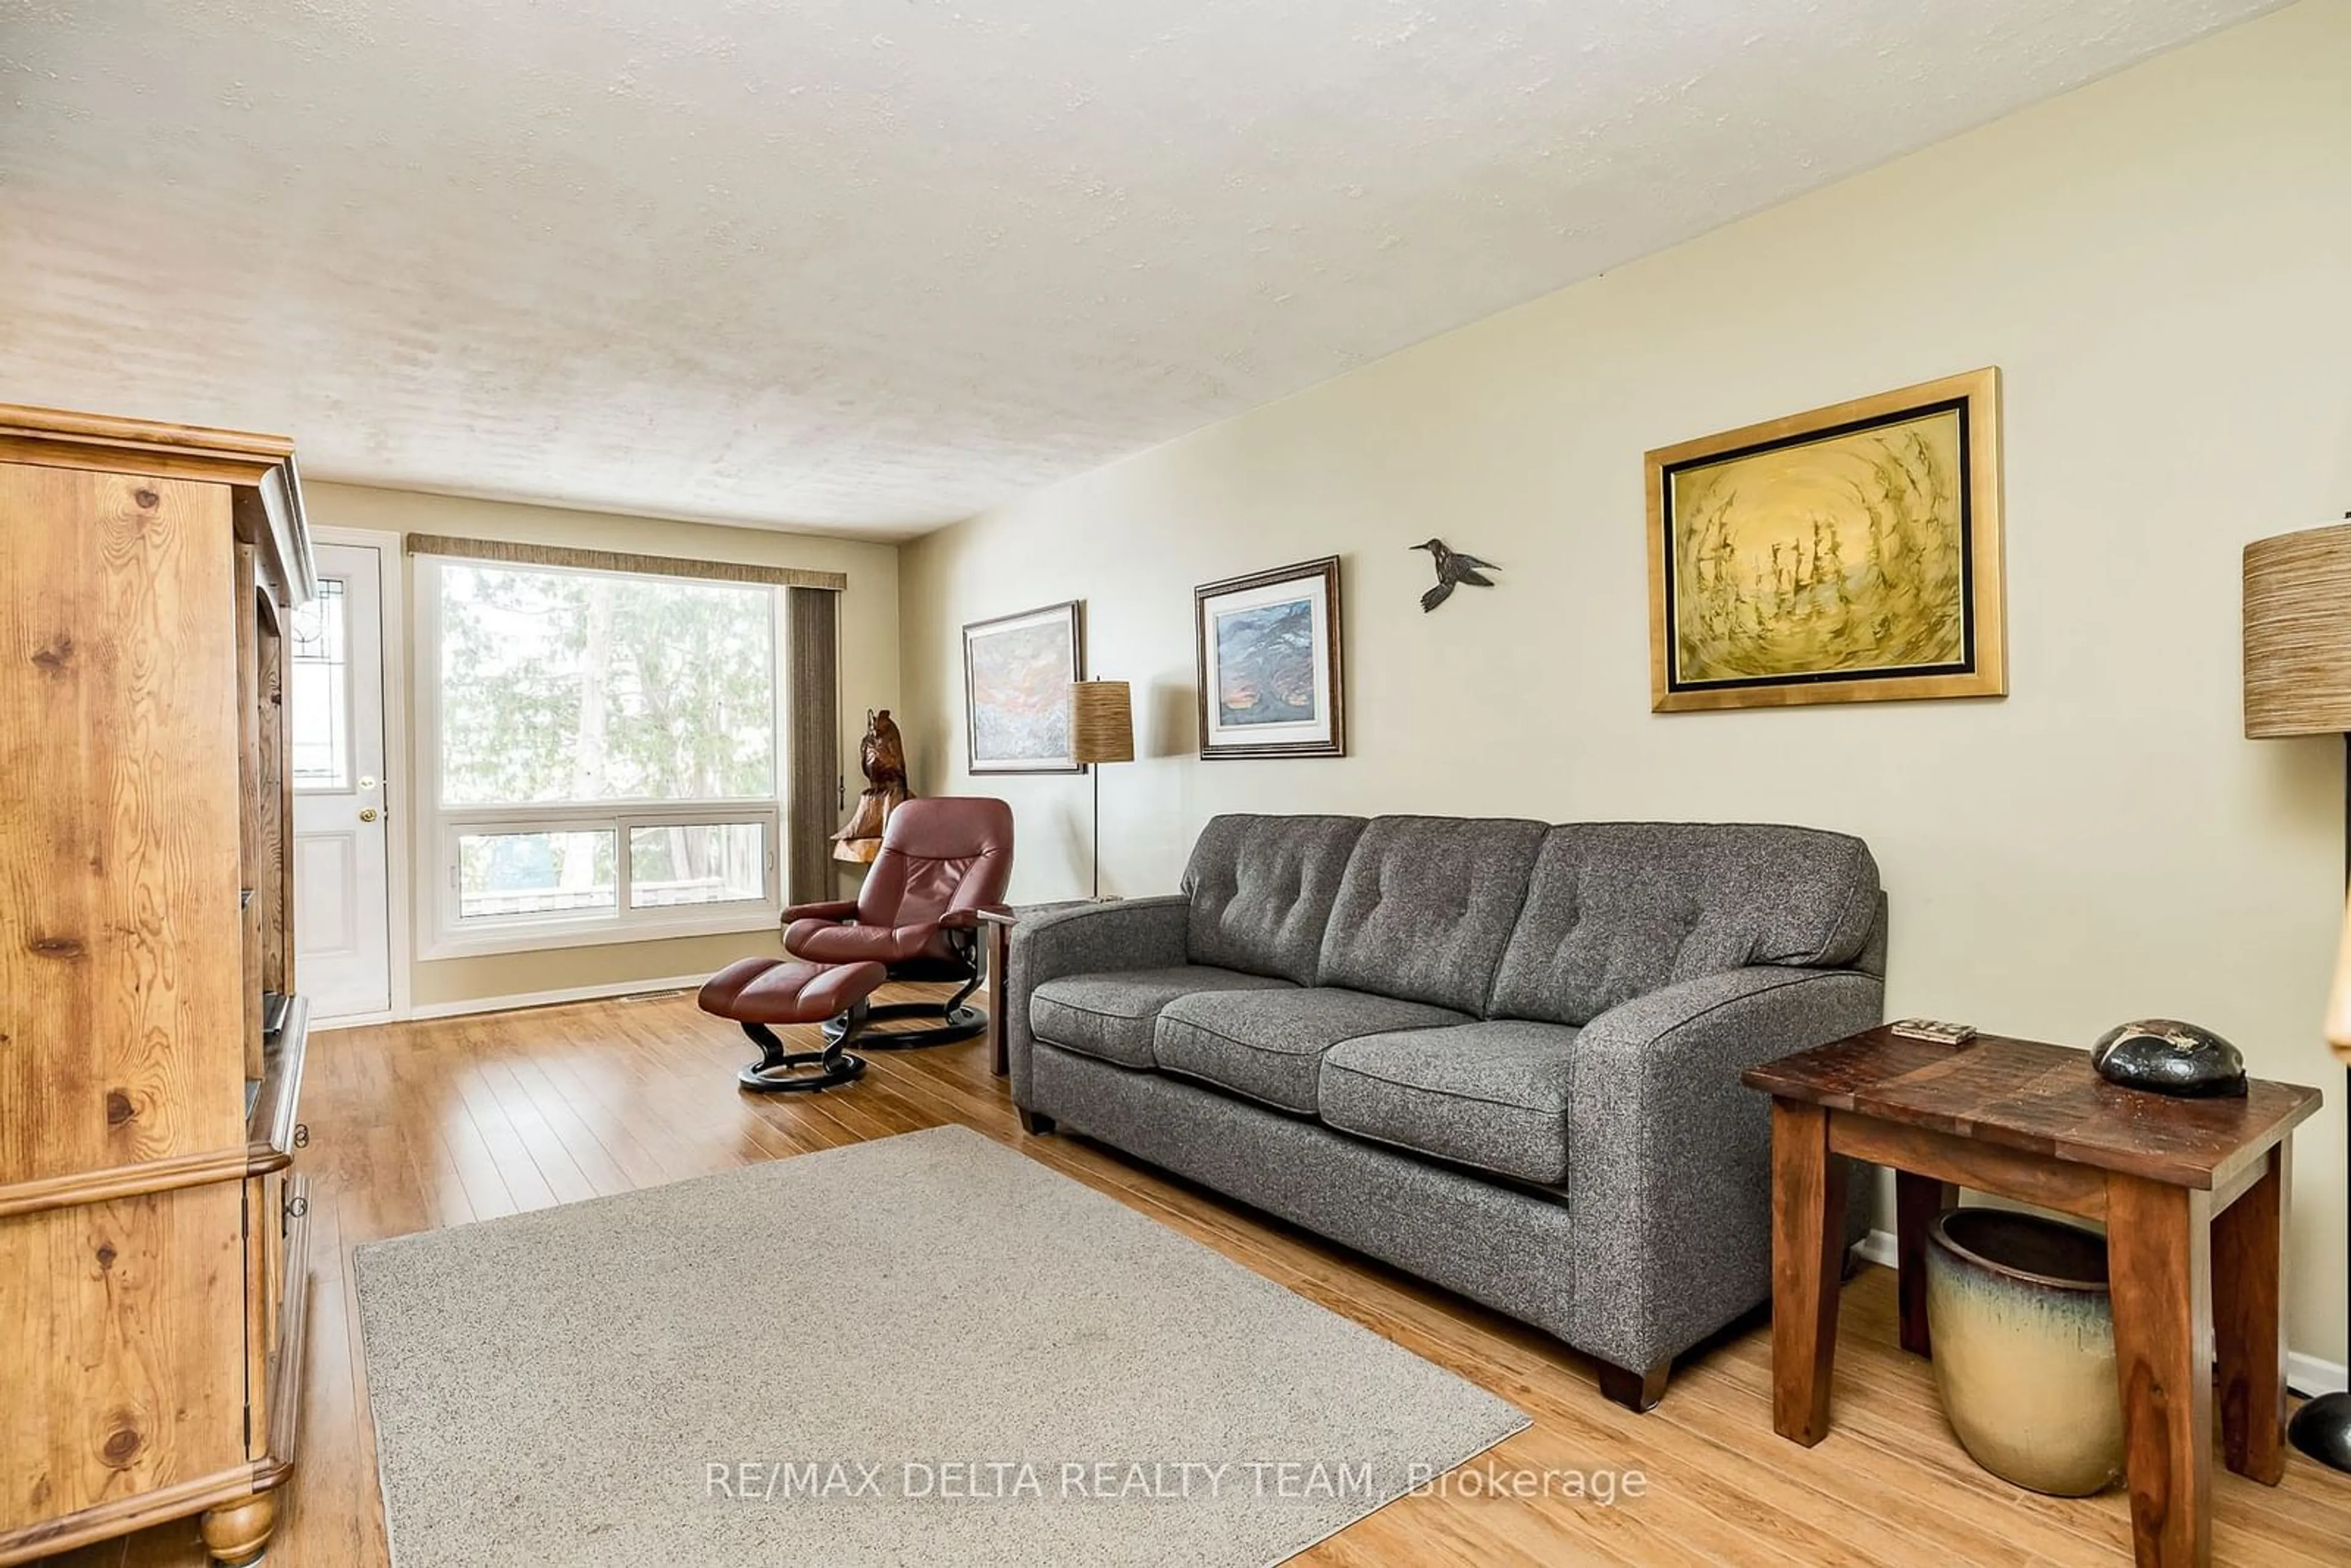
[2023, 1333]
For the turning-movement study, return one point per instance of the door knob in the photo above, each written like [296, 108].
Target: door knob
[367, 814]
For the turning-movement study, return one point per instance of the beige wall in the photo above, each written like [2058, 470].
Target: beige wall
[2159, 265]
[869, 661]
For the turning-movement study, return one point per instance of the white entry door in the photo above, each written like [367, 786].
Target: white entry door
[343, 923]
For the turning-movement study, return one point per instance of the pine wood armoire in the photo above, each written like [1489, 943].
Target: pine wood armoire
[152, 1278]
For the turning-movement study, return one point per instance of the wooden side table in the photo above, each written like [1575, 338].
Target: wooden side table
[998, 920]
[2193, 1194]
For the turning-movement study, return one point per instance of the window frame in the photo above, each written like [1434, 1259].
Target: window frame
[445, 935]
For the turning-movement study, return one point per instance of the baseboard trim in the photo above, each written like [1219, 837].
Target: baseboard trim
[508, 1004]
[2309, 1374]
[1877, 1248]
[2305, 1373]
[354, 1020]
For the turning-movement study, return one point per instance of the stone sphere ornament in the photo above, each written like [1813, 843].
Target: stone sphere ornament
[2165, 1055]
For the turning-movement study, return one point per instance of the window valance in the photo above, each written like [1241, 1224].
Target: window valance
[622, 560]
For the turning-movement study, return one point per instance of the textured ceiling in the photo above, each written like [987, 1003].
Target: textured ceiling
[875, 264]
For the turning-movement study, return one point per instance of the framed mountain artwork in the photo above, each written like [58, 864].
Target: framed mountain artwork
[1849, 554]
[1271, 683]
[1016, 674]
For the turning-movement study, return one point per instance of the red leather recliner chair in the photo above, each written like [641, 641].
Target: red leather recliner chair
[916, 918]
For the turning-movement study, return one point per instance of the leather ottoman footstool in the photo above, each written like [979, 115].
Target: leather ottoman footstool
[763, 993]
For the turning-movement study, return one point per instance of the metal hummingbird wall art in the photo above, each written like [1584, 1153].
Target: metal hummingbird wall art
[1453, 567]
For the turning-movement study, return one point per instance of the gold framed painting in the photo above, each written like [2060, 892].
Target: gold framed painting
[1849, 554]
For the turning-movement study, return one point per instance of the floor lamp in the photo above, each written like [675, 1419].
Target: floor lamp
[2298, 682]
[1102, 729]
[2322, 1428]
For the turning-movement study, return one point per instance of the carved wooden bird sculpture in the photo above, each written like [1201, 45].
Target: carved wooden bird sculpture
[883, 754]
[1453, 567]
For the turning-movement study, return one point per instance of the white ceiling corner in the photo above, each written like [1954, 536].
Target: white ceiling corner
[871, 266]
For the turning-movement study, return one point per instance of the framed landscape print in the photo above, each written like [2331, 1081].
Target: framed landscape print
[1017, 672]
[1851, 554]
[1270, 680]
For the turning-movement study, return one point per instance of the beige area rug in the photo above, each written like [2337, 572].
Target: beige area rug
[926, 1349]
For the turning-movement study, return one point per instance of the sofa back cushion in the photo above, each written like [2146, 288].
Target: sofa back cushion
[1616, 910]
[1426, 907]
[1261, 890]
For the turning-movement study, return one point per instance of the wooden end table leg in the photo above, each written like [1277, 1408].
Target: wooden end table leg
[2159, 1261]
[1807, 1237]
[2249, 1321]
[1916, 1201]
[999, 1051]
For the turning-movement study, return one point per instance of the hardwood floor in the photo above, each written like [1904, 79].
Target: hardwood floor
[418, 1125]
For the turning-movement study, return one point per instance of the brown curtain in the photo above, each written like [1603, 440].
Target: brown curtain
[813, 801]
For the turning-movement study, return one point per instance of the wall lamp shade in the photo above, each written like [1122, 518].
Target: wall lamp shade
[1102, 722]
[2298, 633]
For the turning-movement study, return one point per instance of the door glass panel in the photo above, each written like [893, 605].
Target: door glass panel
[702, 863]
[319, 687]
[535, 872]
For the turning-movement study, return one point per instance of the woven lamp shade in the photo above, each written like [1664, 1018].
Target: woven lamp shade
[2298, 633]
[1102, 722]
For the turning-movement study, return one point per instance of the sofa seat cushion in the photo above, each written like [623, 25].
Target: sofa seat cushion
[1269, 1045]
[1110, 1015]
[1492, 1096]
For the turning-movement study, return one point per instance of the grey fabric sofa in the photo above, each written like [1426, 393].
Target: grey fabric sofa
[1498, 1054]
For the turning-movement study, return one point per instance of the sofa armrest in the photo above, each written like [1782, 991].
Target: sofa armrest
[1669, 1155]
[1083, 939]
[832, 910]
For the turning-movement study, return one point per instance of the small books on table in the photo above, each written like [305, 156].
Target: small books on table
[1934, 1029]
